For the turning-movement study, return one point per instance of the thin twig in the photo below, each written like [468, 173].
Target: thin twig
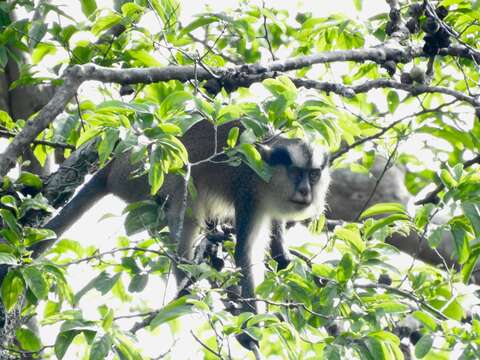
[267, 39]
[205, 346]
[377, 183]
[405, 294]
[288, 305]
[53, 144]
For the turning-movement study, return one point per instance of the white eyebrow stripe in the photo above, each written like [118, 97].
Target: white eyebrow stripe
[297, 156]
[319, 158]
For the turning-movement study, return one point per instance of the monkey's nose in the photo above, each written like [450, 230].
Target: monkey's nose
[304, 192]
[302, 198]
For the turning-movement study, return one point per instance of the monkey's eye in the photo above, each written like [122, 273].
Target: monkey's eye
[314, 175]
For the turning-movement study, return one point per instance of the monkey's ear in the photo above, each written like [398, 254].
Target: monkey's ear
[265, 151]
[276, 156]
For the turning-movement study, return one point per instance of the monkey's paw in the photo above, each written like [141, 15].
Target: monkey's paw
[282, 262]
[247, 341]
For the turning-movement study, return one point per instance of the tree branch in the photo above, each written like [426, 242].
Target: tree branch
[9, 134]
[76, 75]
[405, 294]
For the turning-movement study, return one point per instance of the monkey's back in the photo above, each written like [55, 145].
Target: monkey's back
[217, 181]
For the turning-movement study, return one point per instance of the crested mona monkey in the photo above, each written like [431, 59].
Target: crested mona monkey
[296, 191]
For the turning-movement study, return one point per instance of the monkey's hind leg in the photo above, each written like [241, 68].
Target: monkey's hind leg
[185, 250]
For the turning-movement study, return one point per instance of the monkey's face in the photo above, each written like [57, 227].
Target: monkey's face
[299, 180]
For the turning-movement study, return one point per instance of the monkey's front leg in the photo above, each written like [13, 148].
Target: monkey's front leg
[278, 249]
[252, 232]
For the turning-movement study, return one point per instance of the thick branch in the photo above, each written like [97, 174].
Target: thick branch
[76, 75]
[35, 126]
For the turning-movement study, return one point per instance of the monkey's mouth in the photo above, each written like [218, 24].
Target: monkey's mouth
[300, 203]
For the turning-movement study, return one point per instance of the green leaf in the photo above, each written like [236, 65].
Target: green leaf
[138, 283]
[391, 307]
[28, 340]
[39, 202]
[63, 341]
[51, 308]
[469, 266]
[103, 283]
[79, 325]
[8, 259]
[461, 242]
[35, 281]
[11, 222]
[170, 129]
[385, 336]
[228, 113]
[323, 270]
[331, 353]
[125, 349]
[3, 57]
[447, 179]
[101, 348]
[263, 318]
[358, 4]
[172, 311]
[472, 212]
[384, 208]
[375, 348]
[173, 103]
[233, 137]
[106, 283]
[453, 310]
[42, 50]
[105, 22]
[426, 319]
[352, 236]
[107, 144]
[12, 288]
[379, 224]
[254, 160]
[156, 173]
[281, 86]
[168, 10]
[143, 215]
[393, 101]
[34, 235]
[132, 11]
[423, 346]
[201, 21]
[107, 320]
[345, 268]
[29, 179]
[88, 7]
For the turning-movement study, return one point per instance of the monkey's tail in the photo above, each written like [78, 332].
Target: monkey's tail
[89, 194]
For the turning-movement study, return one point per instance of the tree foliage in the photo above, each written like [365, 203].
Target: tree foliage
[402, 84]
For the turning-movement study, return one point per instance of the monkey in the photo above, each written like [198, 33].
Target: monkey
[296, 191]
